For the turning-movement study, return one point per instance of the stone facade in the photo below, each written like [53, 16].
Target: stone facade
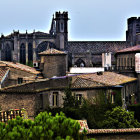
[53, 63]
[30, 101]
[132, 34]
[24, 47]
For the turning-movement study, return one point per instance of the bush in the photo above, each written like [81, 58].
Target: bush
[120, 118]
[45, 126]
[135, 108]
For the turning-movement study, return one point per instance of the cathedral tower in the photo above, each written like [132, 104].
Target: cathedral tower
[62, 29]
[133, 29]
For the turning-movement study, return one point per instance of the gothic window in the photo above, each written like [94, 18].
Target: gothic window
[80, 63]
[43, 46]
[30, 52]
[8, 52]
[55, 99]
[62, 26]
[22, 54]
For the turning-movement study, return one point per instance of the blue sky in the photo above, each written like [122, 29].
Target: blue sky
[90, 19]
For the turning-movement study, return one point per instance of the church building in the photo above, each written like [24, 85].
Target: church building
[25, 47]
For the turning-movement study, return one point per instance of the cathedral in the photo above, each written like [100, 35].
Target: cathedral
[25, 47]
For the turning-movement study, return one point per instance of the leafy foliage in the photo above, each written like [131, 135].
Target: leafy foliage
[69, 99]
[120, 118]
[45, 126]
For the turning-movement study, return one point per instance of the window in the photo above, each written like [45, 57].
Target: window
[22, 54]
[128, 62]
[62, 27]
[131, 62]
[79, 98]
[20, 80]
[124, 62]
[55, 99]
[119, 64]
[41, 101]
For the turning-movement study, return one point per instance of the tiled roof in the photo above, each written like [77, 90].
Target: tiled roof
[96, 47]
[131, 49]
[20, 67]
[51, 51]
[83, 124]
[114, 131]
[3, 71]
[104, 79]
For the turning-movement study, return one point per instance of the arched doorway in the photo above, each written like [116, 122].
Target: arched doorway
[80, 63]
[43, 46]
[22, 54]
[8, 53]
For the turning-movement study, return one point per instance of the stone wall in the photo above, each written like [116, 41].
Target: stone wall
[30, 101]
[14, 74]
[54, 65]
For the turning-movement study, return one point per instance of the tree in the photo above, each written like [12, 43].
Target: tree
[70, 99]
[120, 118]
[45, 126]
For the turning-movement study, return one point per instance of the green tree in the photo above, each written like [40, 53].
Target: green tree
[70, 99]
[120, 118]
[45, 126]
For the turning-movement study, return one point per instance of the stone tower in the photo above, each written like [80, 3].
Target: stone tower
[53, 63]
[133, 29]
[62, 29]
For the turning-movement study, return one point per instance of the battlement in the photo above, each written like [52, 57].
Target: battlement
[132, 19]
[59, 15]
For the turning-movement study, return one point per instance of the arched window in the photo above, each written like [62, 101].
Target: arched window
[43, 46]
[8, 53]
[22, 54]
[80, 63]
[30, 52]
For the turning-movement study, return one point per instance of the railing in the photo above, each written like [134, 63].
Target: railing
[11, 114]
[120, 68]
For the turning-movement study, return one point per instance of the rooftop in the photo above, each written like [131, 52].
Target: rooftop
[131, 49]
[79, 81]
[19, 66]
[101, 79]
[3, 71]
[51, 51]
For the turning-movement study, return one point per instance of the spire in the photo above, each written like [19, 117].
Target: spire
[53, 28]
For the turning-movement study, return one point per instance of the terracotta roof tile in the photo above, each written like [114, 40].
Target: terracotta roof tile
[106, 79]
[3, 71]
[131, 49]
[20, 67]
[51, 51]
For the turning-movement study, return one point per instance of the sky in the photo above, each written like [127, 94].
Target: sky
[90, 20]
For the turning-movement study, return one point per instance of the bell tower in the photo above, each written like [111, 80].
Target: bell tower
[61, 29]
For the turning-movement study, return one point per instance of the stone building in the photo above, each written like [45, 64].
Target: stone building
[128, 63]
[53, 63]
[38, 95]
[24, 47]
[16, 73]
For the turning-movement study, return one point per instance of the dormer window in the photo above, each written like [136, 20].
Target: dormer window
[20, 80]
